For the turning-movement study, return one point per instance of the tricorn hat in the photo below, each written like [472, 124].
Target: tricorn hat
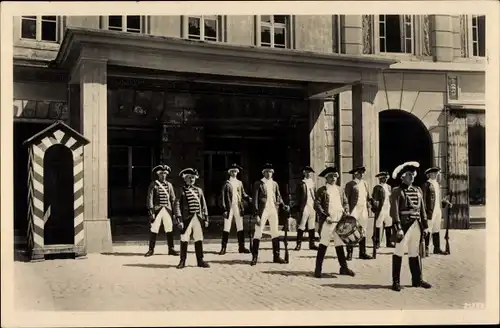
[432, 170]
[267, 167]
[329, 170]
[405, 167]
[382, 174]
[307, 169]
[235, 167]
[188, 171]
[357, 169]
[161, 167]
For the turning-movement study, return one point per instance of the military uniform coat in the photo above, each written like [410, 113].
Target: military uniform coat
[401, 202]
[322, 203]
[156, 198]
[227, 196]
[378, 198]
[260, 197]
[182, 210]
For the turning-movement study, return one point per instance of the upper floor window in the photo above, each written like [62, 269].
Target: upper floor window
[205, 28]
[275, 31]
[125, 23]
[39, 28]
[396, 33]
[478, 36]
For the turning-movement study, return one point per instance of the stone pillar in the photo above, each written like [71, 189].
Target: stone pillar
[317, 135]
[352, 34]
[365, 130]
[322, 135]
[442, 38]
[94, 125]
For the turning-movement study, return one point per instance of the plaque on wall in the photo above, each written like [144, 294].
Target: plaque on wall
[452, 88]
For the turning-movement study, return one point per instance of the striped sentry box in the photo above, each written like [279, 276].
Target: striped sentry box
[38, 212]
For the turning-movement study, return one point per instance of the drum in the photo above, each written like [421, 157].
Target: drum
[349, 230]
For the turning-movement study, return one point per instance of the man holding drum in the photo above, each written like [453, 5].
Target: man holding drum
[358, 198]
[330, 204]
[410, 224]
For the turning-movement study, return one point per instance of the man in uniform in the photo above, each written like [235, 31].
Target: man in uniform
[233, 195]
[358, 198]
[410, 223]
[267, 201]
[330, 205]
[433, 203]
[191, 214]
[381, 207]
[305, 201]
[160, 202]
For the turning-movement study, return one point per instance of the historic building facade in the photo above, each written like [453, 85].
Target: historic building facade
[205, 91]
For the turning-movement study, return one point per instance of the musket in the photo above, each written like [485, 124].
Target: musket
[447, 235]
[374, 237]
[287, 255]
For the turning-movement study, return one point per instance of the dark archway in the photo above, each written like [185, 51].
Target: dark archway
[58, 194]
[403, 137]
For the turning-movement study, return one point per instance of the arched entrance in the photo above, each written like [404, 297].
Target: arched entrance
[403, 137]
[58, 196]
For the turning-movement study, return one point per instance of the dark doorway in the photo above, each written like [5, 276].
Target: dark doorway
[403, 137]
[22, 132]
[58, 195]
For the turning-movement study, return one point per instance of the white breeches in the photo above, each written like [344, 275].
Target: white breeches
[309, 217]
[435, 223]
[360, 212]
[271, 216]
[162, 217]
[410, 242]
[234, 214]
[328, 232]
[384, 218]
[193, 228]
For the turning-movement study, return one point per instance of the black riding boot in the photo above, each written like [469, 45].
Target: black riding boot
[312, 236]
[225, 239]
[416, 273]
[152, 243]
[388, 236]
[320, 256]
[198, 248]
[427, 240]
[344, 269]
[255, 251]
[376, 238]
[241, 243]
[362, 250]
[300, 234]
[170, 242]
[276, 251]
[184, 250]
[436, 240]
[350, 250]
[396, 272]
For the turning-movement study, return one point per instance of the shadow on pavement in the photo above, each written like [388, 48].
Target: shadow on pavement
[151, 266]
[126, 254]
[231, 262]
[314, 256]
[300, 274]
[357, 286]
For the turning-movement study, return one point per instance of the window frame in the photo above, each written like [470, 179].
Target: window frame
[417, 38]
[130, 165]
[470, 37]
[289, 31]
[38, 35]
[221, 27]
[144, 23]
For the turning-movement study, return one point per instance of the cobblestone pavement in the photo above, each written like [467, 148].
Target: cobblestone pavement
[125, 280]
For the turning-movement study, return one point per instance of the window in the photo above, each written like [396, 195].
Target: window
[274, 31]
[39, 28]
[478, 36]
[205, 28]
[396, 33]
[477, 158]
[125, 23]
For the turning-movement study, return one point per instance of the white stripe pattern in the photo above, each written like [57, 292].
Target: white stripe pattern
[37, 151]
[71, 141]
[59, 135]
[78, 220]
[47, 142]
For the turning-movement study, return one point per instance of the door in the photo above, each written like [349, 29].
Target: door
[58, 196]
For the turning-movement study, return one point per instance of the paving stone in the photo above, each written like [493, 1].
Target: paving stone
[126, 280]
